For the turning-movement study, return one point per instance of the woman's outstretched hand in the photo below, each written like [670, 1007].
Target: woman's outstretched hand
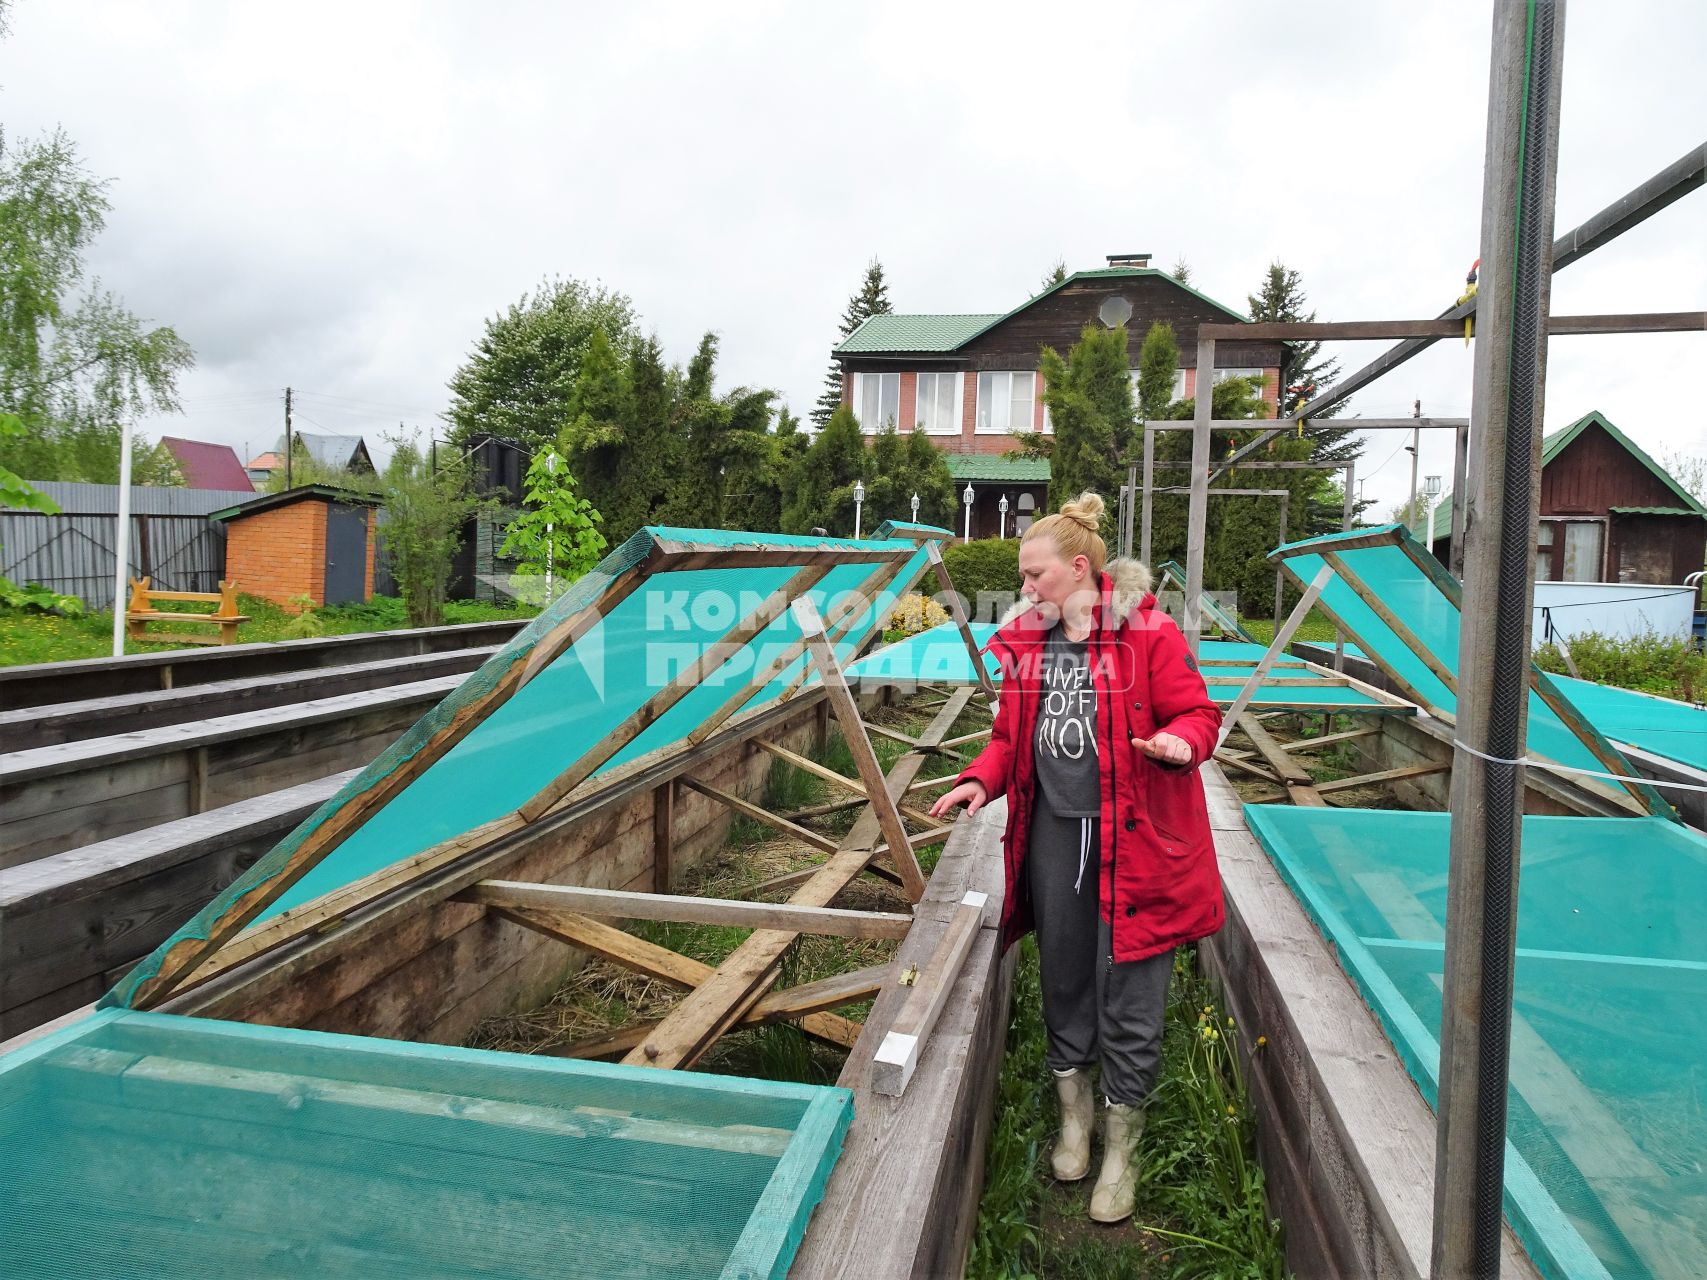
[1163, 747]
[971, 794]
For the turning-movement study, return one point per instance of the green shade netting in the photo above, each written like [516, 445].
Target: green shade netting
[1418, 601]
[504, 760]
[1173, 575]
[1675, 730]
[1607, 1125]
[143, 1145]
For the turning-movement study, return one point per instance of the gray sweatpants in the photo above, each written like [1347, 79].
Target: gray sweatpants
[1094, 1009]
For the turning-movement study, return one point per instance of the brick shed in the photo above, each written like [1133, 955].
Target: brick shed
[313, 541]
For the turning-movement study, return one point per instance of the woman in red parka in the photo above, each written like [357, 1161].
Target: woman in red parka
[1102, 722]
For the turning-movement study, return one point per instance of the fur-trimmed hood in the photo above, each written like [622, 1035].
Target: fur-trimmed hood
[1126, 585]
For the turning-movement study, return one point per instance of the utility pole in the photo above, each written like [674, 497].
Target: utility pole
[1416, 457]
[1487, 795]
[288, 444]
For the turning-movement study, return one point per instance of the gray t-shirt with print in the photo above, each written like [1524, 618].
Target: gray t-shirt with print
[1066, 744]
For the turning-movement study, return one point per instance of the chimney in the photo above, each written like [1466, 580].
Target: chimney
[1128, 260]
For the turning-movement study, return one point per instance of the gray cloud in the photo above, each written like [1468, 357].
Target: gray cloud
[337, 196]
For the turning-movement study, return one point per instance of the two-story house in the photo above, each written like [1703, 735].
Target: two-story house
[971, 381]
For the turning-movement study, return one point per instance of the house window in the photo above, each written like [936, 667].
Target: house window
[938, 411]
[1221, 375]
[1570, 550]
[877, 400]
[1004, 402]
[1178, 392]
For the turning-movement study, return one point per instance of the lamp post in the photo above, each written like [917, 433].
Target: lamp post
[1002, 506]
[967, 499]
[915, 508]
[1431, 491]
[859, 501]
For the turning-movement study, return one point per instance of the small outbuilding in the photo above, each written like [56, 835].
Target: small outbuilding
[313, 541]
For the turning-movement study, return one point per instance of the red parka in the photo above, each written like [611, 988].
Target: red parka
[1160, 885]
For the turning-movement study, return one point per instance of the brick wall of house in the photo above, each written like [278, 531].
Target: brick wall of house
[280, 553]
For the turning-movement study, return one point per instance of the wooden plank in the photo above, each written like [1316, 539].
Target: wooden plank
[786, 1004]
[898, 1056]
[1245, 766]
[843, 615]
[859, 745]
[724, 648]
[678, 556]
[1197, 508]
[806, 765]
[658, 962]
[1385, 775]
[663, 836]
[1328, 740]
[1283, 682]
[682, 1038]
[1301, 788]
[1389, 330]
[1393, 622]
[836, 922]
[759, 813]
[186, 956]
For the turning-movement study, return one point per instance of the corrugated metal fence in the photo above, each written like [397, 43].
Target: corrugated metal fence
[171, 539]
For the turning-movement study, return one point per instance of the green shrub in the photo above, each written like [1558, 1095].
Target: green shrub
[984, 567]
[1667, 665]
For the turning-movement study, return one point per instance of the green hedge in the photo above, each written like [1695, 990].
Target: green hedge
[988, 565]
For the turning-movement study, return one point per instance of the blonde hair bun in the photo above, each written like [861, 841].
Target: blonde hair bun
[1085, 510]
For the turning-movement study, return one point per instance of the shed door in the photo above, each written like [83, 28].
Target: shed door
[346, 554]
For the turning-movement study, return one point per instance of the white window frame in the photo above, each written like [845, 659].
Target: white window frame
[985, 422]
[956, 417]
[872, 428]
[1221, 375]
[1178, 392]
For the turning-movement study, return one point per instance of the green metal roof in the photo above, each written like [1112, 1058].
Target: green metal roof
[893, 334]
[1553, 444]
[912, 333]
[993, 466]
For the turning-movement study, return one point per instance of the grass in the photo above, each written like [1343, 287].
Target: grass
[1314, 629]
[1670, 666]
[28, 636]
[1202, 1208]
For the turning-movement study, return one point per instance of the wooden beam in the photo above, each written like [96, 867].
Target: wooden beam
[859, 745]
[677, 556]
[1326, 740]
[1385, 775]
[758, 813]
[685, 682]
[787, 1004]
[694, 1025]
[1361, 330]
[663, 836]
[1197, 509]
[1300, 786]
[898, 1056]
[1393, 622]
[810, 766]
[1282, 637]
[1283, 682]
[894, 735]
[186, 956]
[657, 962]
[1244, 765]
[843, 615]
[688, 909]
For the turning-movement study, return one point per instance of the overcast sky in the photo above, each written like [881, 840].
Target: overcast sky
[336, 196]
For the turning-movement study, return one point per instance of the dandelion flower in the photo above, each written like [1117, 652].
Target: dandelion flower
[1229, 1022]
[1261, 1041]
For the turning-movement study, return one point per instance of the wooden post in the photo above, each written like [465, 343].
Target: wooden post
[859, 746]
[1149, 481]
[1499, 586]
[1198, 517]
[1347, 515]
[1282, 637]
[957, 611]
[1279, 573]
[663, 835]
[1460, 478]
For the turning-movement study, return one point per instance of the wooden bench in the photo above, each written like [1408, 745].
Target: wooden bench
[141, 611]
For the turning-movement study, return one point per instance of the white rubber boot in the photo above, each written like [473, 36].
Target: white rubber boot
[1117, 1184]
[1072, 1157]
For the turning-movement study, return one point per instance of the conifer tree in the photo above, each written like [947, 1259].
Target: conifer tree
[1303, 373]
[870, 299]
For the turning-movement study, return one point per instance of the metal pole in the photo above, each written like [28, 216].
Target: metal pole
[1198, 515]
[121, 545]
[1499, 586]
[288, 449]
[1149, 480]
